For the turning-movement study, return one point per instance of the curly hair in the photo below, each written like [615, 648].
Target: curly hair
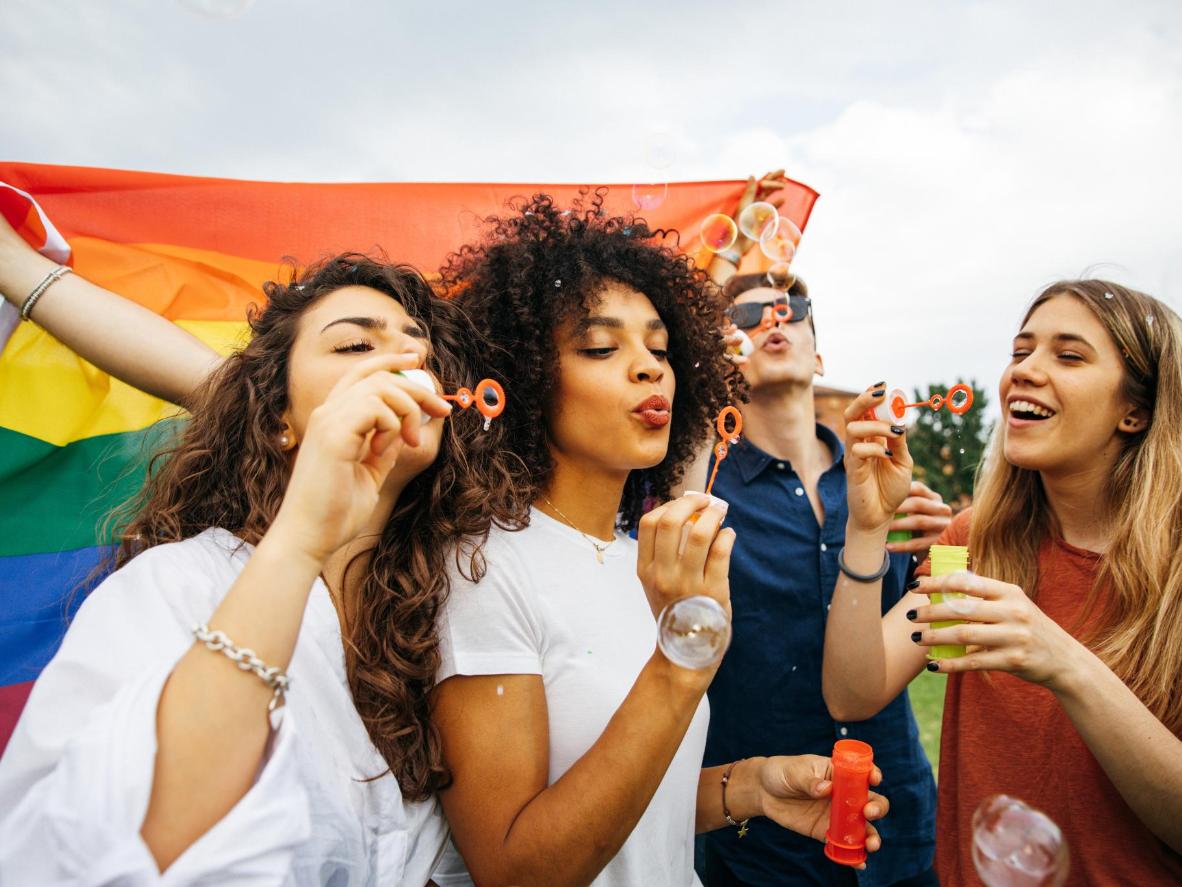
[543, 265]
[227, 470]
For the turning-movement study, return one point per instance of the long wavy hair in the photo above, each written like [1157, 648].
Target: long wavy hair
[1138, 588]
[227, 470]
[542, 265]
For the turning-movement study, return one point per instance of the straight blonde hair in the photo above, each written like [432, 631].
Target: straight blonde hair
[1138, 588]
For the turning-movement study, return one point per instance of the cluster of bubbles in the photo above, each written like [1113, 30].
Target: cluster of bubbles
[1015, 845]
[694, 632]
[778, 236]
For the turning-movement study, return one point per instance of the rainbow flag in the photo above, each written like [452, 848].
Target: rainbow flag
[73, 441]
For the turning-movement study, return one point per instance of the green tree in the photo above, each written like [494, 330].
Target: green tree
[946, 447]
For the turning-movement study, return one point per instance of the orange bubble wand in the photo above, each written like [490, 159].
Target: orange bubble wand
[958, 399]
[729, 438]
[489, 399]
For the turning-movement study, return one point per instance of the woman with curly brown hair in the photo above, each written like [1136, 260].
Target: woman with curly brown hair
[574, 744]
[245, 697]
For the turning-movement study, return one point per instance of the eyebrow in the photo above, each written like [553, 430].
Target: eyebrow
[613, 323]
[368, 323]
[1058, 337]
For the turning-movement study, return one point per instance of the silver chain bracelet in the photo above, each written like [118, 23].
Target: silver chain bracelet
[245, 659]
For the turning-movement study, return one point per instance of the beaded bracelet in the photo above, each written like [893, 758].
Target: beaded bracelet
[39, 290]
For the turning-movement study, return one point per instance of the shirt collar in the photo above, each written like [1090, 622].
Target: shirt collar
[751, 460]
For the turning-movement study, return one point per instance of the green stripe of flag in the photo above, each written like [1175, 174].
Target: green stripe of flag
[56, 498]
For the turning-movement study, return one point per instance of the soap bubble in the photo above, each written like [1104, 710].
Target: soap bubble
[780, 276]
[779, 244]
[759, 219]
[719, 232]
[694, 632]
[660, 149]
[1015, 845]
[649, 196]
[218, 8]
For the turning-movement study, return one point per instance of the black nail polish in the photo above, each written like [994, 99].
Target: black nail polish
[879, 384]
[916, 635]
[933, 666]
[888, 452]
[912, 585]
[878, 393]
[911, 614]
[897, 429]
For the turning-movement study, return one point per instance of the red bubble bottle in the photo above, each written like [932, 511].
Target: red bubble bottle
[845, 841]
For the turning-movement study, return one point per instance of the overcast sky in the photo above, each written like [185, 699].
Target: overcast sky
[966, 153]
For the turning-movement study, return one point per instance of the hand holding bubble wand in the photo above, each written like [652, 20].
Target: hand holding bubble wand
[489, 397]
[694, 632]
[893, 408]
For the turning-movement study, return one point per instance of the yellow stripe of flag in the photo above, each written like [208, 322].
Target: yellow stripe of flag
[50, 393]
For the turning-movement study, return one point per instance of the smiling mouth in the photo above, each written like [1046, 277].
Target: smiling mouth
[1028, 411]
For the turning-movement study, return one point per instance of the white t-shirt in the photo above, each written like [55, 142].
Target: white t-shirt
[546, 607]
[76, 776]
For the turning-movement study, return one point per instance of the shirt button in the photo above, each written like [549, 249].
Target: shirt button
[843, 731]
[824, 547]
[780, 465]
[800, 491]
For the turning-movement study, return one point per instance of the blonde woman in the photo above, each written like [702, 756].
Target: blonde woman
[1070, 696]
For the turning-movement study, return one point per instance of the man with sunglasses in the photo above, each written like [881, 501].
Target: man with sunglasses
[786, 487]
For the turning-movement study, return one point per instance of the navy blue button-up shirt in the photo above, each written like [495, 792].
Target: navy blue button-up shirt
[766, 698]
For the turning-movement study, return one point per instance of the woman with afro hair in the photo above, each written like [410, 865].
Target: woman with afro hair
[574, 745]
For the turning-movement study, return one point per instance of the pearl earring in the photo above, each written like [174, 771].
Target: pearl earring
[286, 440]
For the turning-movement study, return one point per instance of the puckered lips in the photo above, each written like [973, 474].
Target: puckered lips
[653, 411]
[1024, 411]
[775, 342]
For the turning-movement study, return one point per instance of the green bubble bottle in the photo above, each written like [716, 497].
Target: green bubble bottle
[947, 559]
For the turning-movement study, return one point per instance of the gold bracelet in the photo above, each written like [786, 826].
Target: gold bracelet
[726, 777]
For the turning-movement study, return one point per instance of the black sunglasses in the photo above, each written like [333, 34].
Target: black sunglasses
[746, 315]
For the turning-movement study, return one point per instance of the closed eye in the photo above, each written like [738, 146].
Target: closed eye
[660, 353]
[360, 345]
[597, 352]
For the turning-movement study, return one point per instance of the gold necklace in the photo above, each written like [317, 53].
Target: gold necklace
[600, 548]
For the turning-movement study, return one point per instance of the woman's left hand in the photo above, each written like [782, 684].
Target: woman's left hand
[794, 792]
[1003, 629]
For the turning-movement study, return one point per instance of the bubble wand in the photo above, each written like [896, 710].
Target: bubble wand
[489, 396]
[729, 438]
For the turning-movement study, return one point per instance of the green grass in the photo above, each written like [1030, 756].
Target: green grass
[927, 701]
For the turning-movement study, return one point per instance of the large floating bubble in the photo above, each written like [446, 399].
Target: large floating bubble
[1015, 845]
[758, 220]
[694, 632]
[719, 232]
[779, 244]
